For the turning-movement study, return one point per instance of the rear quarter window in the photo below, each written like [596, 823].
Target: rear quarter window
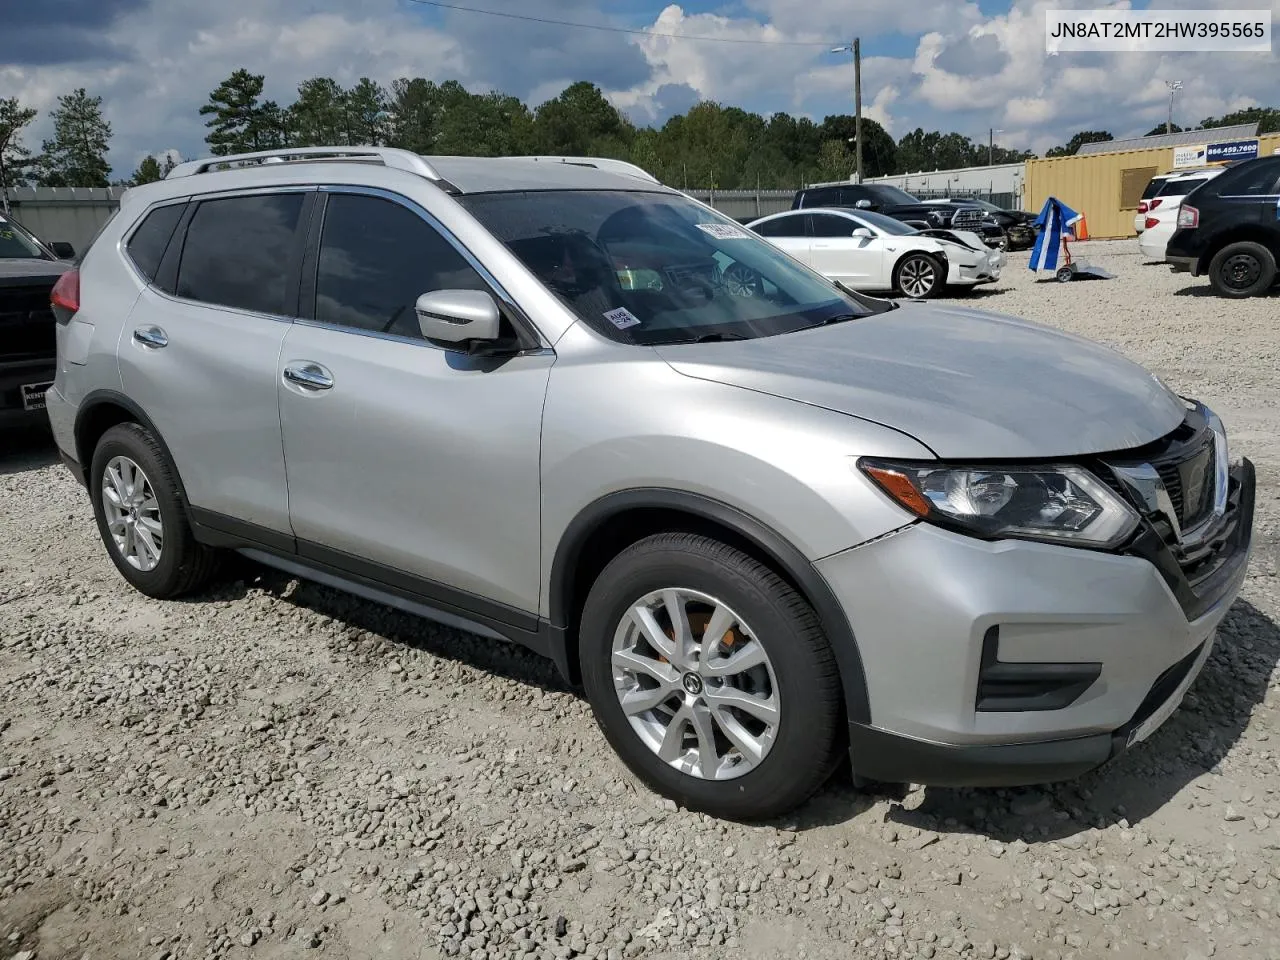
[149, 241]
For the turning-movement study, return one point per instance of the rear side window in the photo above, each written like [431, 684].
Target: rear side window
[1154, 186]
[782, 227]
[238, 250]
[147, 245]
[1180, 188]
[376, 258]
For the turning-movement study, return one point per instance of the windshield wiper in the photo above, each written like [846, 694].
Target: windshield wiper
[711, 338]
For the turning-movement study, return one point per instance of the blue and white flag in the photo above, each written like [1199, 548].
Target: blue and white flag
[1055, 218]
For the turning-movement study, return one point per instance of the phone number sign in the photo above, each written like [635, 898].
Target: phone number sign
[1231, 150]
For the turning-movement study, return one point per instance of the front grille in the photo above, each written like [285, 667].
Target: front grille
[967, 218]
[26, 322]
[1189, 483]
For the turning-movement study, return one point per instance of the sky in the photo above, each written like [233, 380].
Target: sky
[962, 65]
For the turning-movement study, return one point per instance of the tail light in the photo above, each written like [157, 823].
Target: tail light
[1143, 206]
[65, 297]
[1151, 222]
[1188, 217]
[1155, 203]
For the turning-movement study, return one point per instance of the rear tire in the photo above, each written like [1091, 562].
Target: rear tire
[919, 276]
[662, 739]
[1242, 269]
[142, 518]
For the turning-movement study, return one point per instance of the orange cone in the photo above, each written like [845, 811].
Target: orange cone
[1082, 229]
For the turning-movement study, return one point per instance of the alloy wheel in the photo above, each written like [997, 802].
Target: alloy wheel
[696, 684]
[132, 513]
[917, 277]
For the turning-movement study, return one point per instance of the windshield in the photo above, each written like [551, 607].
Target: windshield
[15, 244]
[895, 228]
[657, 268]
[888, 194]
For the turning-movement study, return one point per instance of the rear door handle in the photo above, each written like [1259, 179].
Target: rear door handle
[152, 337]
[308, 375]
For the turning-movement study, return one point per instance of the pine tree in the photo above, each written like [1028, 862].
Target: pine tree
[237, 122]
[148, 172]
[77, 154]
[366, 105]
[14, 156]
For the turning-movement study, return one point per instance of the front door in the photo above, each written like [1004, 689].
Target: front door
[406, 462]
[857, 261]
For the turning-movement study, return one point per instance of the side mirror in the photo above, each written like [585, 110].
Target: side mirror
[458, 319]
[863, 204]
[863, 233]
[63, 250]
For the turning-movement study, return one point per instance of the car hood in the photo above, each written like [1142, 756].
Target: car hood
[967, 384]
[19, 269]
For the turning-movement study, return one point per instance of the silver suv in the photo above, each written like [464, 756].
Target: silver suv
[760, 518]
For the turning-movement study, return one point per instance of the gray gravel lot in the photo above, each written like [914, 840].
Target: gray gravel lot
[275, 768]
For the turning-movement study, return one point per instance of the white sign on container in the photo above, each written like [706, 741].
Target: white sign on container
[1189, 156]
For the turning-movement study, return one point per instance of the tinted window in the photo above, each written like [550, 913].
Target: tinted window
[883, 193]
[821, 197]
[237, 252]
[782, 227]
[1251, 179]
[1180, 188]
[829, 225]
[148, 243]
[376, 258]
[1154, 185]
[895, 228]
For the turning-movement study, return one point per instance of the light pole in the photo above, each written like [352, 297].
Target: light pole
[856, 49]
[991, 145]
[1174, 86]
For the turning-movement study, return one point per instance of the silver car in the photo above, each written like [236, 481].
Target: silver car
[761, 519]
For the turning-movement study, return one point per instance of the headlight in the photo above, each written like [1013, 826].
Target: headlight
[1053, 504]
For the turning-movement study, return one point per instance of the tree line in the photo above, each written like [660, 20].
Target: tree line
[710, 145]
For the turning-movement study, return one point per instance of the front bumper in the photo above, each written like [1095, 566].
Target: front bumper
[932, 610]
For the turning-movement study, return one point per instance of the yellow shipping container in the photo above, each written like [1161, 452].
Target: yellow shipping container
[1106, 187]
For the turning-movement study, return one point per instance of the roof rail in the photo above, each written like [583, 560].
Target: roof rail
[601, 163]
[390, 157]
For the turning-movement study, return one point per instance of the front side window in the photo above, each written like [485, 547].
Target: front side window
[1250, 179]
[17, 244]
[656, 268]
[376, 258]
[887, 225]
[237, 252]
[829, 225]
[883, 193]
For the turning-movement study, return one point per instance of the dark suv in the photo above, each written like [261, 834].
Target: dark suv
[1229, 228]
[28, 271]
[896, 203]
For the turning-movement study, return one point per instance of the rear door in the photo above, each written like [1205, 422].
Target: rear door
[858, 261]
[200, 350]
[789, 233]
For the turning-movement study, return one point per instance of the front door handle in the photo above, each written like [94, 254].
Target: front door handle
[309, 376]
[152, 337]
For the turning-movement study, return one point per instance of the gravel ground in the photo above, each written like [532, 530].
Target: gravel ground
[275, 768]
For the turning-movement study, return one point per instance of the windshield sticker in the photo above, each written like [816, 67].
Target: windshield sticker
[722, 231]
[622, 318]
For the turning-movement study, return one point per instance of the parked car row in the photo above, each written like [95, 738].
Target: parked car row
[1222, 223]
[763, 521]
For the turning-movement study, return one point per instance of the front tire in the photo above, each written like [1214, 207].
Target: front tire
[919, 276]
[1243, 269]
[141, 515]
[710, 677]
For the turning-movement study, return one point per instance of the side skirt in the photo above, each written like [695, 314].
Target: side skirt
[370, 581]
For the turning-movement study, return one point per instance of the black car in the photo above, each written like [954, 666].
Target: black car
[1229, 229]
[921, 214]
[28, 271]
[1015, 227]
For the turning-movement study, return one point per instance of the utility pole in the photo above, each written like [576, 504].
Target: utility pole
[856, 49]
[1174, 86]
[991, 147]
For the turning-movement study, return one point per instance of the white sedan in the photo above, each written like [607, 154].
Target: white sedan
[869, 251]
